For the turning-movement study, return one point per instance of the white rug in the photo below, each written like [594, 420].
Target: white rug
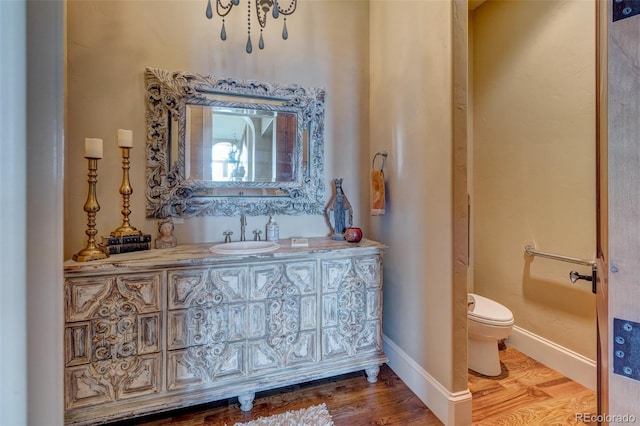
[316, 415]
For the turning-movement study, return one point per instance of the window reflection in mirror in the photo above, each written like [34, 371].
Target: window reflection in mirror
[225, 144]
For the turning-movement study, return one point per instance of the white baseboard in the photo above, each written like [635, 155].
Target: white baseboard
[452, 408]
[570, 364]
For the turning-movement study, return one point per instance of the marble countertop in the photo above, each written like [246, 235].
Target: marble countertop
[199, 254]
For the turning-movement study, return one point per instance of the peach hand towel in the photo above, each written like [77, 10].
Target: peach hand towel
[377, 193]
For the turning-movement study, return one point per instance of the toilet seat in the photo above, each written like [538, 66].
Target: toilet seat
[487, 311]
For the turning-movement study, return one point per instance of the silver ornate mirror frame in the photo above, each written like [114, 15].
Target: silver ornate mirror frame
[170, 194]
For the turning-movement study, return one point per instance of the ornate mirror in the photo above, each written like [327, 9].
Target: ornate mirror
[221, 147]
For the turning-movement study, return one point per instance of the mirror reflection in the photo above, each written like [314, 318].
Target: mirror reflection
[237, 145]
[223, 147]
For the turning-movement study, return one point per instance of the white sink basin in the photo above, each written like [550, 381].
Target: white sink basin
[244, 247]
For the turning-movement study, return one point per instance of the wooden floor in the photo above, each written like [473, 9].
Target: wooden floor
[529, 393]
[526, 393]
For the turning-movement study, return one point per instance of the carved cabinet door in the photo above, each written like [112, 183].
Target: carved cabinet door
[351, 306]
[113, 338]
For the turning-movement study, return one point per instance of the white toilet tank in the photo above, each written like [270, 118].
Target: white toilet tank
[488, 311]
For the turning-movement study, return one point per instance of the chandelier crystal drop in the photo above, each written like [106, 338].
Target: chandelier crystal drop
[262, 9]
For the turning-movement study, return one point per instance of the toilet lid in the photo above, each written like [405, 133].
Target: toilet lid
[489, 311]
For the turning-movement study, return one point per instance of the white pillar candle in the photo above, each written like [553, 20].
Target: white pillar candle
[125, 138]
[93, 148]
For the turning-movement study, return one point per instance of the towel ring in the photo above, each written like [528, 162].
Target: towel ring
[383, 154]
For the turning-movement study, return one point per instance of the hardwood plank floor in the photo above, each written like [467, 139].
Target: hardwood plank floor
[529, 393]
[350, 399]
[526, 393]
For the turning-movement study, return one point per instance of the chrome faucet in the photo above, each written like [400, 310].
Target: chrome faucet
[243, 225]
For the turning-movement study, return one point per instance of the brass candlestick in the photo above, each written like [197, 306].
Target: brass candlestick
[126, 191]
[91, 206]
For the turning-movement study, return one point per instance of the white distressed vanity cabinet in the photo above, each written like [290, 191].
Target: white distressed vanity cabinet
[156, 330]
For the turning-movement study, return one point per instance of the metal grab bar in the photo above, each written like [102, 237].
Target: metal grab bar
[531, 251]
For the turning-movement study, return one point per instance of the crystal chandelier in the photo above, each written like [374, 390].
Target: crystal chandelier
[263, 7]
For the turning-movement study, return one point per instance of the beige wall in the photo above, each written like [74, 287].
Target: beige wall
[534, 163]
[111, 42]
[411, 118]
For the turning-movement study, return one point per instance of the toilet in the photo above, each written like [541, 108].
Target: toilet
[488, 322]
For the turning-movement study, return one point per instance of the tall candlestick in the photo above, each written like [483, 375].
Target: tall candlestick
[126, 191]
[91, 206]
[93, 148]
[125, 138]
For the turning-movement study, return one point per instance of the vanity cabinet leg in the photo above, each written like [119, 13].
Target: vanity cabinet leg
[372, 373]
[246, 401]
